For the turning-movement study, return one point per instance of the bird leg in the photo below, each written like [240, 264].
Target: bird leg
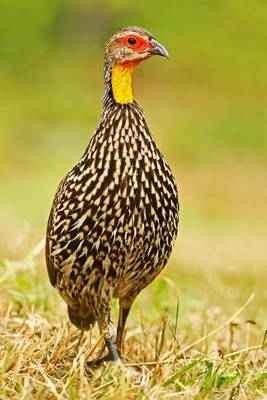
[80, 339]
[113, 354]
[123, 314]
[106, 326]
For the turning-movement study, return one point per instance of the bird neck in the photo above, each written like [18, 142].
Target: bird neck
[118, 83]
[121, 83]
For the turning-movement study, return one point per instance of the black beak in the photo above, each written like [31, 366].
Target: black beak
[158, 49]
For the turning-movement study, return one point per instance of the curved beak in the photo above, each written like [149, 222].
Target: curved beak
[158, 49]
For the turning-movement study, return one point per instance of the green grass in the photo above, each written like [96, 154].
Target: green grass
[206, 107]
[194, 345]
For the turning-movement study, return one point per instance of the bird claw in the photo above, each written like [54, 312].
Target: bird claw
[103, 361]
[112, 356]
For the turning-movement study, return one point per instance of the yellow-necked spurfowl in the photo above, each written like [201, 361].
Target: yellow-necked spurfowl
[114, 218]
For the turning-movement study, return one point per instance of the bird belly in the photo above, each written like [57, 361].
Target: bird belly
[148, 254]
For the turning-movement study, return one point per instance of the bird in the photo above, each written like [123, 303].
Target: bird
[114, 218]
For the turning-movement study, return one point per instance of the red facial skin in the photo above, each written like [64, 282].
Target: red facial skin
[140, 46]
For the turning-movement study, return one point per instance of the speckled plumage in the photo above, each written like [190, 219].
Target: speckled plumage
[114, 218]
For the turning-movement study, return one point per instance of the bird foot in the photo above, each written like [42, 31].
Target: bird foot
[103, 361]
[112, 356]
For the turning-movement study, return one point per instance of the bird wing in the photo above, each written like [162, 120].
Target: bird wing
[52, 271]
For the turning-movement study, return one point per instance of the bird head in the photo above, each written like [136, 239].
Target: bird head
[124, 51]
[130, 46]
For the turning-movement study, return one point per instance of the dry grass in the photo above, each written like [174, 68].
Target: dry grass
[208, 354]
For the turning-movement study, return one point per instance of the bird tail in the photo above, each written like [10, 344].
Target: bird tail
[84, 321]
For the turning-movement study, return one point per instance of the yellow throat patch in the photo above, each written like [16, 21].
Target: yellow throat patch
[121, 81]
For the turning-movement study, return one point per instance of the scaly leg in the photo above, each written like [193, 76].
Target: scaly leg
[125, 307]
[113, 354]
[107, 327]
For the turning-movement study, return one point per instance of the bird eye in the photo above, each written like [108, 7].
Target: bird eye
[131, 41]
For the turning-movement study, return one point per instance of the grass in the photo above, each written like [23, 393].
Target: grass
[199, 330]
[207, 342]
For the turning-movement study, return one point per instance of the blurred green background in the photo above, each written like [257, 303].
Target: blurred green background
[206, 107]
